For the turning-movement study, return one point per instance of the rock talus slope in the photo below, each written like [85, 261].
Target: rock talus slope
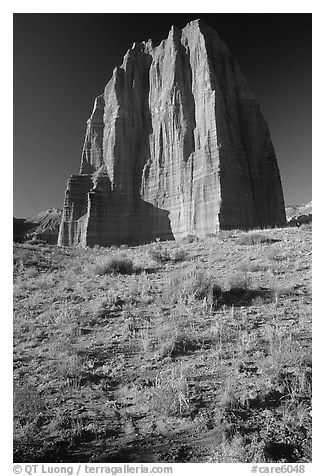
[175, 145]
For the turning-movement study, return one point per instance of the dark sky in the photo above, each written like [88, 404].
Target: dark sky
[62, 61]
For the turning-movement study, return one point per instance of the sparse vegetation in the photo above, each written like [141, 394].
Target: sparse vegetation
[170, 395]
[31, 272]
[117, 359]
[238, 280]
[159, 254]
[178, 255]
[225, 234]
[189, 239]
[190, 285]
[282, 289]
[114, 265]
[163, 255]
[274, 254]
[254, 238]
[177, 342]
[306, 227]
[247, 265]
[36, 242]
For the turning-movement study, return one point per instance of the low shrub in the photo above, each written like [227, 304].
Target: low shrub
[237, 281]
[27, 258]
[192, 284]
[285, 289]
[274, 254]
[253, 239]
[306, 226]
[178, 255]
[248, 265]
[27, 402]
[189, 239]
[114, 265]
[235, 450]
[178, 343]
[104, 308]
[31, 272]
[225, 234]
[170, 396]
[162, 255]
[159, 254]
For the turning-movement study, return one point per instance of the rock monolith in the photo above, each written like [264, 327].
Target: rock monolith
[176, 145]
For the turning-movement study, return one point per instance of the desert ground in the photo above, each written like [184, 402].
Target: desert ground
[193, 351]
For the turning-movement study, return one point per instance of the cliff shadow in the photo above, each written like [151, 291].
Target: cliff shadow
[151, 223]
[113, 222]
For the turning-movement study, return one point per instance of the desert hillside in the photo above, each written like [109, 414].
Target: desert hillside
[167, 352]
[44, 226]
[296, 210]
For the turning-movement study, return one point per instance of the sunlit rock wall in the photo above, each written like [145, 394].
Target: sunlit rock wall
[175, 145]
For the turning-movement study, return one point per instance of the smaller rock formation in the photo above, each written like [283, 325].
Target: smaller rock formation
[44, 226]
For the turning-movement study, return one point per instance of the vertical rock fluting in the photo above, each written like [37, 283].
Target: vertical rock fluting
[176, 145]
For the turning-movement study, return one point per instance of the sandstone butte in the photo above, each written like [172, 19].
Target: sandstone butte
[175, 146]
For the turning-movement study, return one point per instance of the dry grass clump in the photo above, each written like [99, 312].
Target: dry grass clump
[177, 342]
[188, 286]
[306, 227]
[248, 265]
[31, 272]
[233, 450]
[237, 281]
[274, 254]
[238, 291]
[283, 289]
[170, 395]
[189, 239]
[178, 255]
[114, 265]
[159, 254]
[26, 258]
[253, 238]
[28, 410]
[191, 285]
[163, 255]
[225, 234]
[104, 308]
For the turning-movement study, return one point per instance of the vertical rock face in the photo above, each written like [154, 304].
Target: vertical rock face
[176, 145]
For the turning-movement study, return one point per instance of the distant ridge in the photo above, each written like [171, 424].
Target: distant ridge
[293, 211]
[43, 226]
